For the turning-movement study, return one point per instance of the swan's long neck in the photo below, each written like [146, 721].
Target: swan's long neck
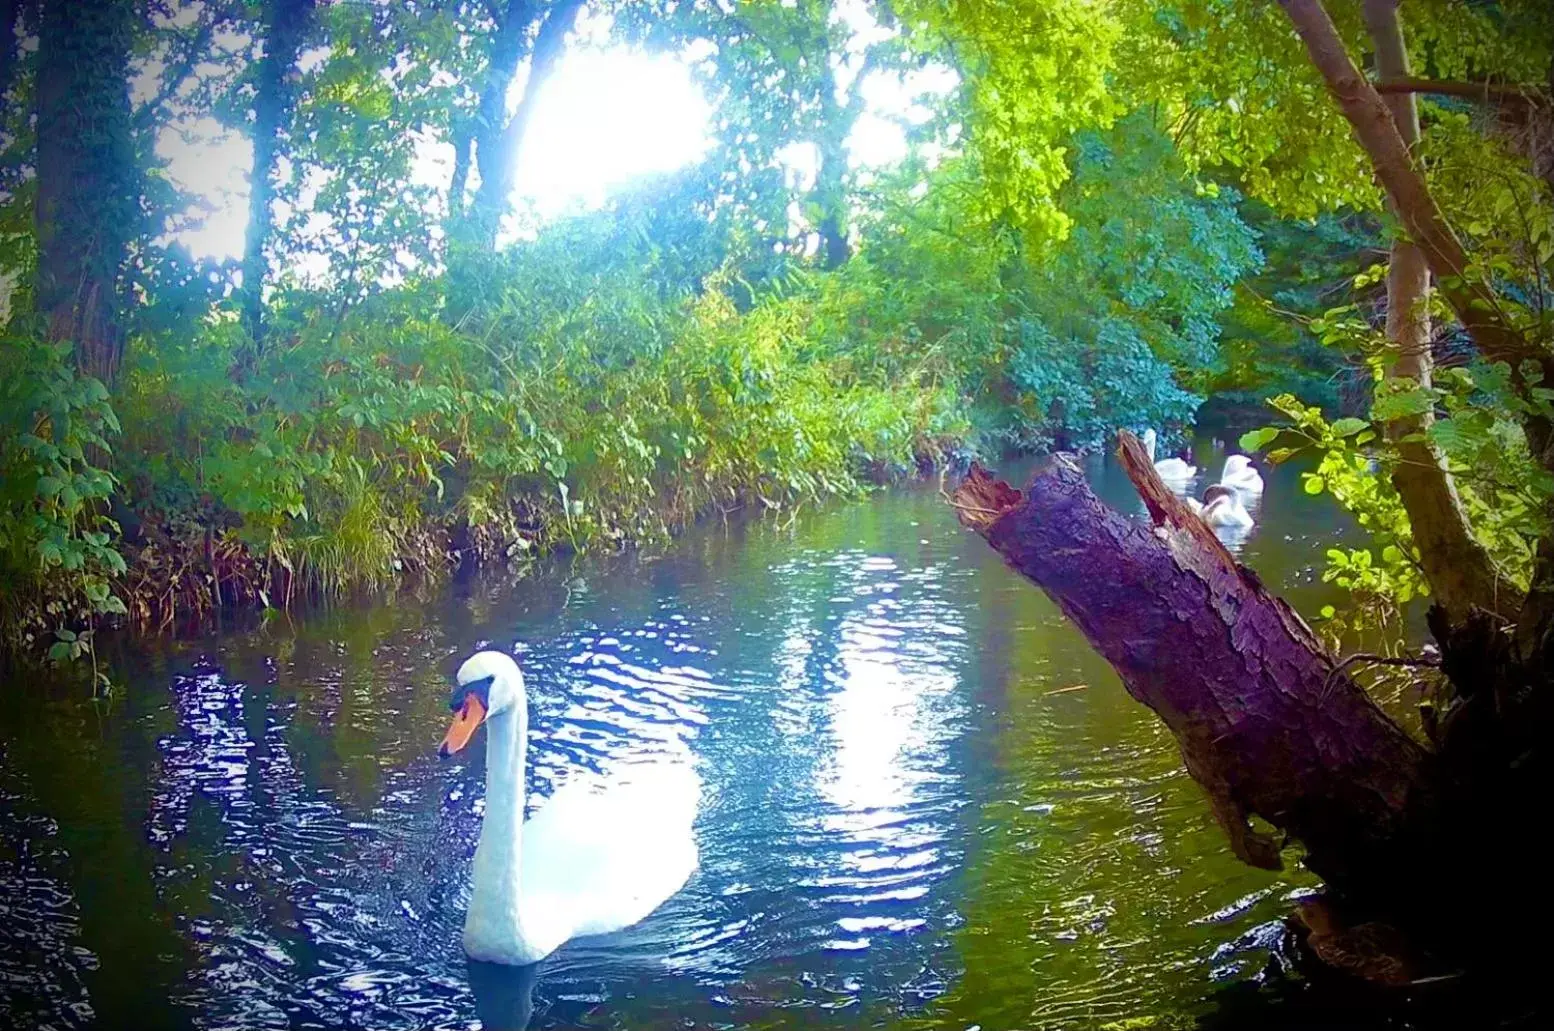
[507, 750]
[497, 859]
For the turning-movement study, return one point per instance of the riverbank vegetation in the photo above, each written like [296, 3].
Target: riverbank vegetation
[1099, 216]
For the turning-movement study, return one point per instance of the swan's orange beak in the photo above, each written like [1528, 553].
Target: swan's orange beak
[463, 727]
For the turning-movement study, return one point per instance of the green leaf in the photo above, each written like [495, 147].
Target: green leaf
[1314, 483]
[1256, 440]
[48, 486]
[1403, 404]
[1349, 427]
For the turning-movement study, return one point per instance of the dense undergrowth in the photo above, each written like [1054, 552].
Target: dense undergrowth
[600, 385]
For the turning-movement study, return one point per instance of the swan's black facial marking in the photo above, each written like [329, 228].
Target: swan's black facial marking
[479, 688]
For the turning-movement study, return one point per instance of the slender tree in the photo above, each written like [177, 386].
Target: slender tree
[523, 28]
[87, 182]
[1458, 567]
[285, 28]
[9, 12]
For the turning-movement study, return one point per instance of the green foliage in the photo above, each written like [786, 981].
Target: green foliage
[1036, 74]
[592, 398]
[1122, 321]
[1386, 573]
[1505, 493]
[54, 430]
[1066, 249]
[1272, 344]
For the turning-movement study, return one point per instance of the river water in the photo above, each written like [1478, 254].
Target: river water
[928, 804]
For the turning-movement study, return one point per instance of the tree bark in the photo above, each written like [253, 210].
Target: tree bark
[285, 25]
[1271, 726]
[1472, 300]
[87, 200]
[9, 10]
[463, 142]
[1267, 724]
[1457, 566]
[499, 140]
[831, 176]
[1487, 92]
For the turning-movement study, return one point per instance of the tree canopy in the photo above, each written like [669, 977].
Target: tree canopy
[1107, 212]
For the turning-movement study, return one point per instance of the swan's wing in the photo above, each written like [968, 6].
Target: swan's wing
[599, 857]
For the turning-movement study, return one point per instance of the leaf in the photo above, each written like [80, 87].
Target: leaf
[1256, 440]
[1401, 405]
[1314, 483]
[1349, 427]
[48, 486]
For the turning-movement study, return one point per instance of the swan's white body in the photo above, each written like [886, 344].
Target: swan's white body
[1225, 510]
[1173, 470]
[1240, 474]
[595, 858]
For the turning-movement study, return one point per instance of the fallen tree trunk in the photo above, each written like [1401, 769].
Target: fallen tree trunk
[1269, 723]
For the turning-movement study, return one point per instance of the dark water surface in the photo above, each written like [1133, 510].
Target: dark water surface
[928, 803]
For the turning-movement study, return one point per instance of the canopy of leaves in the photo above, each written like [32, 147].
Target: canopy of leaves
[1119, 209]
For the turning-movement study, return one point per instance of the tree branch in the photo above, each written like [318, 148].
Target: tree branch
[548, 45]
[1459, 569]
[174, 78]
[1474, 302]
[496, 151]
[1487, 92]
[1265, 725]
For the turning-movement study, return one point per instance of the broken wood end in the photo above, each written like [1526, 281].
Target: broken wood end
[982, 498]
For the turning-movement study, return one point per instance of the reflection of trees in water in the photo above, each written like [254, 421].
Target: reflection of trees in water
[1091, 841]
[297, 910]
[70, 764]
[40, 918]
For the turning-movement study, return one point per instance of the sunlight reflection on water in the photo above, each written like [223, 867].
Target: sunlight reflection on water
[925, 800]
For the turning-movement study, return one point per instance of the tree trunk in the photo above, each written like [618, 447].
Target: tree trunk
[285, 24]
[88, 193]
[1471, 299]
[463, 142]
[1458, 568]
[831, 175]
[9, 10]
[1268, 723]
[498, 139]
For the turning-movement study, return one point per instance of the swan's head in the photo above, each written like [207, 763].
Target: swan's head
[1216, 492]
[488, 684]
[1237, 464]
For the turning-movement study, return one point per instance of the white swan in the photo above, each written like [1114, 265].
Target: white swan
[1240, 474]
[1221, 507]
[1172, 470]
[595, 858]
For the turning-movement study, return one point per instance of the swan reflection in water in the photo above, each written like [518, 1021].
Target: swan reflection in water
[504, 995]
